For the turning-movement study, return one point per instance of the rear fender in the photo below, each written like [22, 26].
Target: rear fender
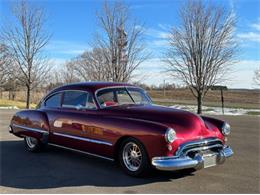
[33, 123]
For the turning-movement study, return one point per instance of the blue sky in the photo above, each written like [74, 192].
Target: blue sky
[73, 24]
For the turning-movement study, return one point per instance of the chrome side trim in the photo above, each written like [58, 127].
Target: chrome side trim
[31, 129]
[80, 151]
[84, 139]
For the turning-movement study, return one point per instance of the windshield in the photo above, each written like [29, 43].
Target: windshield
[120, 96]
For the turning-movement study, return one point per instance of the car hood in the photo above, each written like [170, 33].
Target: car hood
[186, 124]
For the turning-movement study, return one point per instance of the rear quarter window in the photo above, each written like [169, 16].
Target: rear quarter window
[53, 101]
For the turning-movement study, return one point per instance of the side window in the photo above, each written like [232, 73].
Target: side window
[78, 99]
[136, 96]
[53, 101]
[123, 97]
[106, 96]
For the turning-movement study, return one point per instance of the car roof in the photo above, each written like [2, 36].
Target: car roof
[92, 86]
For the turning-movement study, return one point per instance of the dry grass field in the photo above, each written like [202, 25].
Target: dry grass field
[234, 98]
[14, 104]
[20, 96]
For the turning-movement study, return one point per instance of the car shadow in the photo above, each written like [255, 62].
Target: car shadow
[57, 167]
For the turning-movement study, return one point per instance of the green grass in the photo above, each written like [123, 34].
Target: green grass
[11, 103]
[253, 113]
[209, 109]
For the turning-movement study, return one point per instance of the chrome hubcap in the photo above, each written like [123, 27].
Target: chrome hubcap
[31, 142]
[132, 156]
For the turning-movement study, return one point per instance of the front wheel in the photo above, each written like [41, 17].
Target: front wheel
[32, 144]
[133, 158]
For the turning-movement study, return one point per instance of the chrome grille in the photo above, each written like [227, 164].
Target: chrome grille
[213, 144]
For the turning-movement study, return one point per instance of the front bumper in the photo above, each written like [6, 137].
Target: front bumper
[185, 162]
[10, 129]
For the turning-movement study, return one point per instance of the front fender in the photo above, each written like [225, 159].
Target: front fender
[218, 123]
[214, 124]
[150, 134]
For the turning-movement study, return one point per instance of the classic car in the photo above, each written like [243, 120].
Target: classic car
[118, 122]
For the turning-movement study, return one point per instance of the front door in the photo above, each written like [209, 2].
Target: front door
[73, 123]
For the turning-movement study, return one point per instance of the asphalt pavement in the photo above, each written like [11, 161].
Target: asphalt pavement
[60, 171]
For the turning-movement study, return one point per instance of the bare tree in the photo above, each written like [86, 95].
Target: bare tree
[92, 65]
[257, 77]
[69, 74]
[2, 64]
[120, 42]
[25, 39]
[4, 61]
[202, 48]
[8, 74]
[5, 64]
[56, 78]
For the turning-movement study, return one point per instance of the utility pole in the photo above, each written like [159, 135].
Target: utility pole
[164, 88]
[221, 88]
[222, 100]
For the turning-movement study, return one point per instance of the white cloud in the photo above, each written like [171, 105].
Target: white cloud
[153, 72]
[57, 62]
[243, 72]
[250, 36]
[165, 27]
[253, 35]
[66, 47]
[160, 43]
[256, 25]
[73, 51]
[247, 65]
[151, 64]
[159, 34]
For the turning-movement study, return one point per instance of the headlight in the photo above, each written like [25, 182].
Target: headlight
[170, 135]
[225, 129]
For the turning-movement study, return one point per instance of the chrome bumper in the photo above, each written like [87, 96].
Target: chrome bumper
[178, 163]
[10, 129]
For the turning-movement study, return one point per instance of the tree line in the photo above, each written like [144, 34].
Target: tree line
[200, 51]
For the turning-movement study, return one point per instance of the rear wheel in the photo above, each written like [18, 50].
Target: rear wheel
[133, 158]
[32, 144]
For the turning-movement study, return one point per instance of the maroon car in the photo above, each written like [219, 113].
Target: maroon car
[117, 121]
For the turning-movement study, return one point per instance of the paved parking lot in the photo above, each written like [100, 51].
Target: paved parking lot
[60, 171]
